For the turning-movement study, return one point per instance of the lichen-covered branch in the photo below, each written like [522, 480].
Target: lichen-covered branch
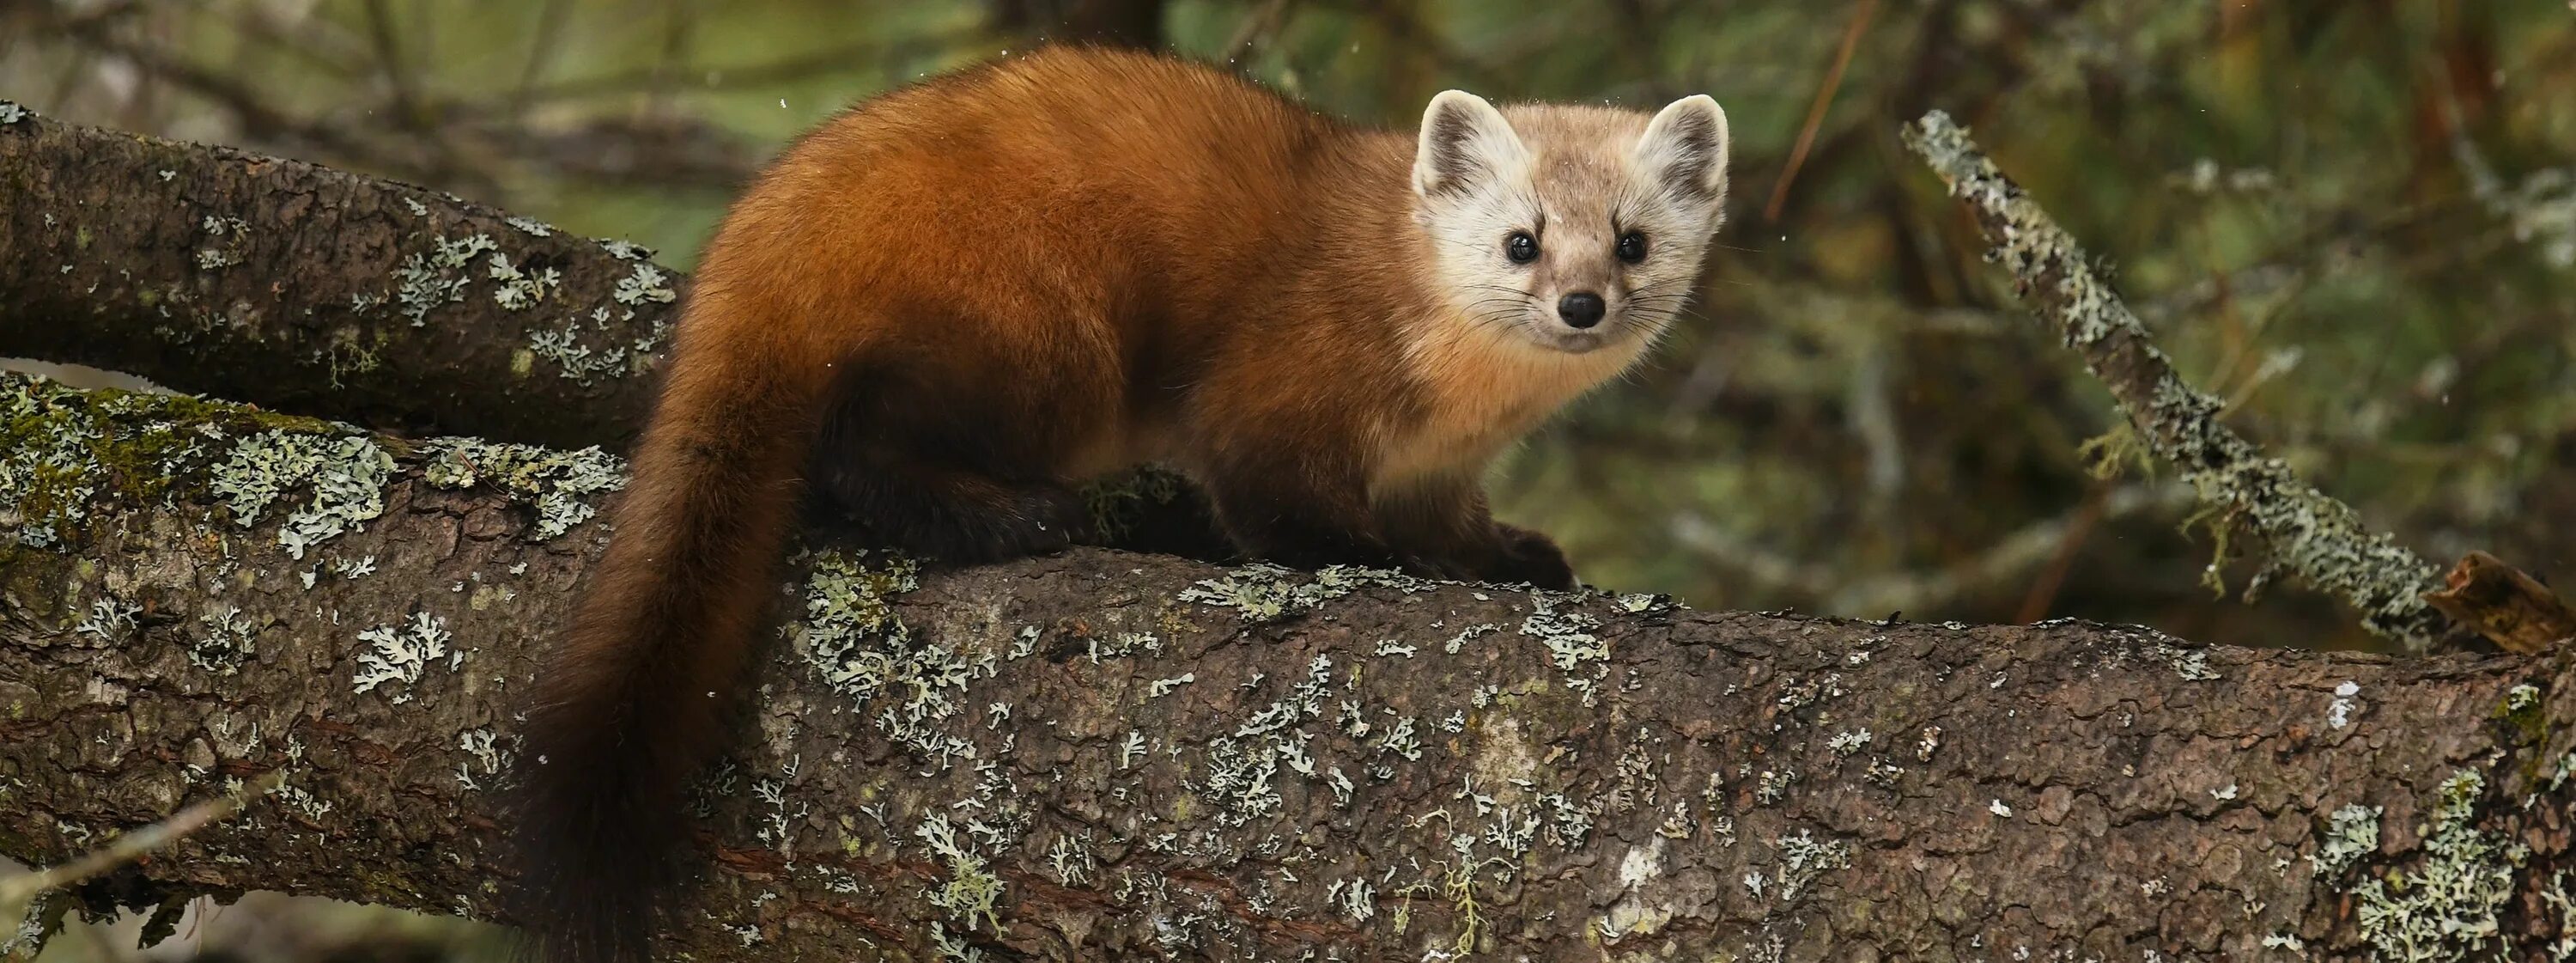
[1110, 756]
[302, 288]
[2308, 534]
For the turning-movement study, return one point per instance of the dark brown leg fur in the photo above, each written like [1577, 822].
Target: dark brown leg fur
[1304, 516]
[1448, 520]
[1532, 557]
[947, 515]
[882, 477]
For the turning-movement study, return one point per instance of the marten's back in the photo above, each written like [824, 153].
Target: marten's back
[1151, 188]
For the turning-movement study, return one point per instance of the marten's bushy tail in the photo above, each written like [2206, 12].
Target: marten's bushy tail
[635, 697]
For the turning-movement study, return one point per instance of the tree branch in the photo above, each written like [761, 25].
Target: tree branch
[1102, 755]
[302, 288]
[2309, 534]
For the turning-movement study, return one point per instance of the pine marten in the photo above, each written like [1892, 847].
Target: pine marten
[936, 314]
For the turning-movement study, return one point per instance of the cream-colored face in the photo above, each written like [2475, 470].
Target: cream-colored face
[1571, 228]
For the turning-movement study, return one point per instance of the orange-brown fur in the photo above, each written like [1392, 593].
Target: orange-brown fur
[941, 311]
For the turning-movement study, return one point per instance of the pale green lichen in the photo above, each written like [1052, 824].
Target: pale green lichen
[11, 112]
[110, 620]
[560, 485]
[426, 280]
[2310, 535]
[60, 448]
[1261, 592]
[48, 468]
[2563, 907]
[1803, 858]
[229, 642]
[345, 476]
[485, 758]
[1844, 744]
[1242, 766]
[2521, 698]
[1571, 642]
[952, 949]
[2191, 664]
[853, 641]
[2351, 833]
[2447, 906]
[226, 235]
[646, 283]
[971, 890]
[399, 655]
[586, 362]
[520, 290]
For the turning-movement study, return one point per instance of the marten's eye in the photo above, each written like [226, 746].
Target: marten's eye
[1520, 247]
[1632, 247]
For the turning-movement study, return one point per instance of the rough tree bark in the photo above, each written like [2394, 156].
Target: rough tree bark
[1102, 753]
[302, 288]
[1107, 755]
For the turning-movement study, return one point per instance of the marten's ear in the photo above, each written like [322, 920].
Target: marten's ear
[1684, 148]
[1465, 142]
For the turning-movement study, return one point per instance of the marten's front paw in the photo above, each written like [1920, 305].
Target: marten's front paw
[1529, 556]
[1437, 569]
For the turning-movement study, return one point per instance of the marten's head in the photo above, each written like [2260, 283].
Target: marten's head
[1569, 228]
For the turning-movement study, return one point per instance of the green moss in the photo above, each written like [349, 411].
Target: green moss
[1116, 505]
[2521, 710]
[64, 450]
[61, 449]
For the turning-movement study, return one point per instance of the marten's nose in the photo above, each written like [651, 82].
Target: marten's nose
[1581, 309]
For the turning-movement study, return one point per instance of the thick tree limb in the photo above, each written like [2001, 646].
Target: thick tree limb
[304, 288]
[1101, 756]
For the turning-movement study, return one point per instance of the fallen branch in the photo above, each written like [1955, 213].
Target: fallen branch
[1101, 755]
[2309, 535]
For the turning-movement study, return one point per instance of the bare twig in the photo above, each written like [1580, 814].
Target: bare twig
[541, 50]
[1861, 15]
[390, 61]
[132, 846]
[2310, 535]
[1257, 29]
